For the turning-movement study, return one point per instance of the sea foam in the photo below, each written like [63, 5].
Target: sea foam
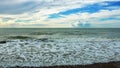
[58, 51]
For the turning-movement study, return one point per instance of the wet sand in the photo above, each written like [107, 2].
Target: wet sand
[96, 65]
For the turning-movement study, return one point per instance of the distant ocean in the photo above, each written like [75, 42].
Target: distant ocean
[58, 46]
[81, 32]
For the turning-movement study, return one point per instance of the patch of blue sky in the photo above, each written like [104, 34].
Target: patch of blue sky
[89, 8]
[114, 3]
[54, 16]
[110, 18]
[86, 25]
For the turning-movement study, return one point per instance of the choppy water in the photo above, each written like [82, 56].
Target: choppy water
[49, 47]
[35, 32]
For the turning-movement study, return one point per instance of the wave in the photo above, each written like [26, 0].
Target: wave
[3, 42]
[67, 51]
[42, 33]
[19, 37]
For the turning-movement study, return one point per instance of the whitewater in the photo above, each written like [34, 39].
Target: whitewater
[58, 49]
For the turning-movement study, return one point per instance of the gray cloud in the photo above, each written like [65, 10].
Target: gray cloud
[17, 8]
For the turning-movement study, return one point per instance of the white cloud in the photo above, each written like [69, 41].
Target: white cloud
[47, 7]
[94, 19]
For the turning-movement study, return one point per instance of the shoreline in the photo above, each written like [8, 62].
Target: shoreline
[115, 64]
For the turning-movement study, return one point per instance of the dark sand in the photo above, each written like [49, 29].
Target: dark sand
[97, 65]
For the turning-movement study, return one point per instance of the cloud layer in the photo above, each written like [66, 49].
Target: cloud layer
[60, 13]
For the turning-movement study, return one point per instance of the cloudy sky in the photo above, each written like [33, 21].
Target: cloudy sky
[60, 13]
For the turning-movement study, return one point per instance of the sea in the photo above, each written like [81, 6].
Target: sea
[81, 32]
[58, 46]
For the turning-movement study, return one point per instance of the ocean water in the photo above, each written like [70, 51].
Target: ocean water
[58, 46]
[112, 33]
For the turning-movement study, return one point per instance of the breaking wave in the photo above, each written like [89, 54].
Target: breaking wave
[50, 52]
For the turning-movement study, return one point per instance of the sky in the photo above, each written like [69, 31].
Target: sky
[60, 13]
